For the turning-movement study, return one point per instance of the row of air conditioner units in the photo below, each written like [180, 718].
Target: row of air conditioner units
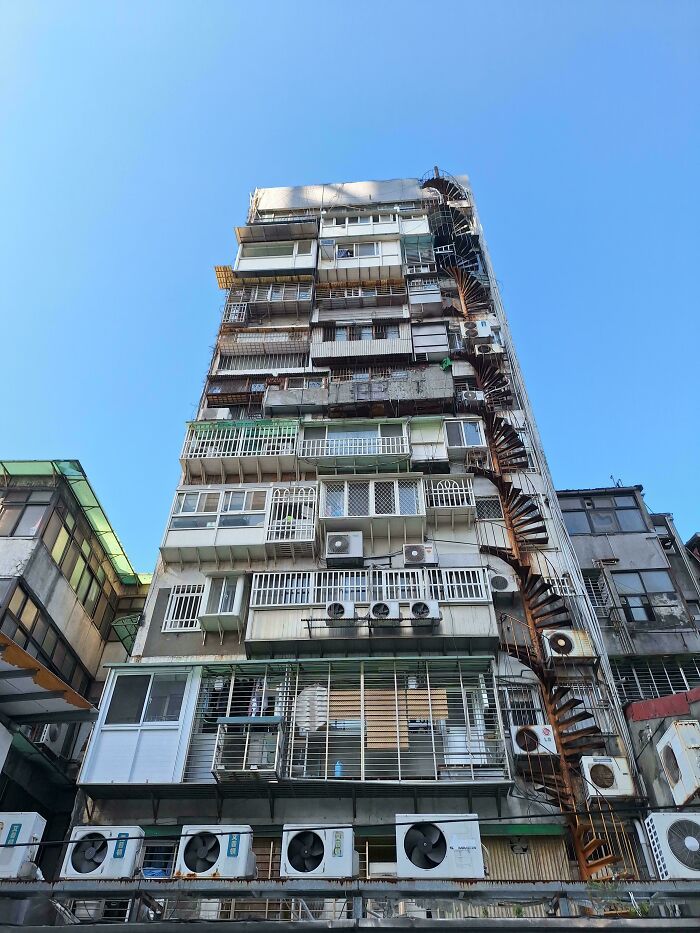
[483, 336]
[438, 846]
[383, 613]
[346, 549]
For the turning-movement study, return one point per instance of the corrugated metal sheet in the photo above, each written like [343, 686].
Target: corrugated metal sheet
[522, 858]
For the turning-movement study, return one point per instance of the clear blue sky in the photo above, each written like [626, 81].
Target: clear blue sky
[132, 133]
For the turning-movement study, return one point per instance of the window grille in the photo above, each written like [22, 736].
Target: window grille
[158, 858]
[306, 588]
[562, 585]
[596, 588]
[489, 508]
[260, 361]
[292, 514]
[653, 677]
[246, 439]
[449, 493]
[522, 706]
[370, 498]
[182, 611]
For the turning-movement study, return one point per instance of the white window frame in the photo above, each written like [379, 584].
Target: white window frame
[142, 723]
[371, 497]
[462, 421]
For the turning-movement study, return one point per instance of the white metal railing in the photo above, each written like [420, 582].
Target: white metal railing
[318, 587]
[423, 285]
[239, 361]
[292, 515]
[211, 439]
[235, 312]
[450, 493]
[276, 292]
[371, 498]
[182, 610]
[354, 447]
[328, 295]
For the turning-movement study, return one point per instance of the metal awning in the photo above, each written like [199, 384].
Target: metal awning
[30, 693]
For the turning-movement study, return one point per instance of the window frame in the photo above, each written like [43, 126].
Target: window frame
[461, 422]
[143, 723]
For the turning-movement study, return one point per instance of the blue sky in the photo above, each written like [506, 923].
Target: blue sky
[132, 133]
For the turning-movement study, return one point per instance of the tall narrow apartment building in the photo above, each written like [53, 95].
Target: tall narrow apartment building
[350, 664]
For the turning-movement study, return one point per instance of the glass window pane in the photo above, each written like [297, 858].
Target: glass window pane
[625, 502]
[358, 499]
[657, 581]
[127, 699]
[8, 518]
[234, 501]
[454, 434]
[50, 642]
[408, 498]
[472, 433]
[384, 499]
[209, 502]
[391, 430]
[603, 522]
[257, 499]
[576, 523]
[52, 530]
[335, 500]
[626, 583]
[84, 585]
[188, 502]
[41, 627]
[367, 249]
[92, 596]
[60, 545]
[28, 614]
[30, 521]
[165, 698]
[77, 572]
[16, 601]
[631, 520]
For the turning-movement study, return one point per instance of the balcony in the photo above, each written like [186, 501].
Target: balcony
[369, 295]
[396, 391]
[286, 399]
[355, 262]
[418, 256]
[350, 446]
[383, 508]
[450, 498]
[355, 340]
[424, 295]
[268, 259]
[239, 448]
[287, 228]
[265, 340]
[400, 721]
[223, 391]
[437, 441]
[256, 301]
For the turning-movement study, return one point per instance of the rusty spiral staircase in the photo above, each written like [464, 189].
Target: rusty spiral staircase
[598, 839]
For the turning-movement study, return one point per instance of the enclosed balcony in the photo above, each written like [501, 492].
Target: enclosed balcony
[396, 720]
[290, 256]
[436, 442]
[296, 395]
[224, 391]
[252, 301]
[450, 499]
[424, 294]
[224, 449]
[293, 227]
[390, 390]
[363, 225]
[418, 256]
[350, 445]
[366, 260]
[361, 339]
[368, 295]
[378, 507]
[263, 349]
[220, 525]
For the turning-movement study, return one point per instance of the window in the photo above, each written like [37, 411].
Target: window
[602, 515]
[20, 513]
[243, 509]
[259, 250]
[142, 698]
[356, 250]
[343, 333]
[634, 588]
[195, 510]
[388, 497]
[182, 611]
[464, 434]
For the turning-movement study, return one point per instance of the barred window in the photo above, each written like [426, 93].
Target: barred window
[182, 611]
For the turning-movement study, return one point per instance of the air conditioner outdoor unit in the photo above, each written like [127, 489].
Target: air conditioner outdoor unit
[424, 612]
[438, 845]
[344, 549]
[419, 555]
[567, 644]
[533, 740]
[385, 612]
[471, 396]
[312, 851]
[675, 842]
[502, 583]
[215, 851]
[679, 751]
[340, 611]
[606, 777]
[20, 833]
[53, 736]
[477, 331]
[103, 852]
[489, 349]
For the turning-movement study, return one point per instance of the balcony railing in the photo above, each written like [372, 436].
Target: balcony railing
[354, 447]
[221, 439]
[457, 493]
[370, 295]
[265, 341]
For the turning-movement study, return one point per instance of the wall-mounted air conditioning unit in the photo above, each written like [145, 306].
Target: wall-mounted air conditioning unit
[53, 736]
[679, 751]
[340, 612]
[606, 777]
[385, 612]
[103, 852]
[471, 396]
[20, 833]
[216, 851]
[502, 583]
[477, 331]
[419, 555]
[675, 842]
[424, 613]
[489, 349]
[438, 845]
[533, 740]
[314, 852]
[344, 549]
[567, 645]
